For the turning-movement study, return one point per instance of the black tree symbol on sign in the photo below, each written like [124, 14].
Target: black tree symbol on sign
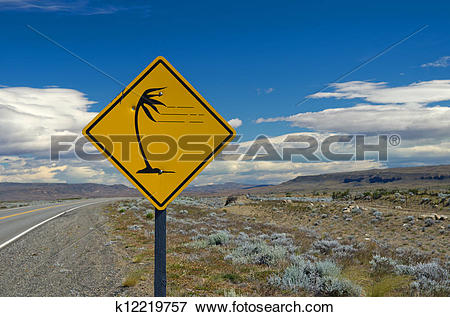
[147, 102]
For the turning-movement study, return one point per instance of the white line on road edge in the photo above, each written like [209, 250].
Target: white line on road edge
[47, 220]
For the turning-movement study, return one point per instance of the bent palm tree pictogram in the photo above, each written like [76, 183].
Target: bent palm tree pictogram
[145, 102]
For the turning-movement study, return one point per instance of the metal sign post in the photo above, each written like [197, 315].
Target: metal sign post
[160, 280]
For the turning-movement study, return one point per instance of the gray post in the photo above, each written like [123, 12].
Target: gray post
[160, 254]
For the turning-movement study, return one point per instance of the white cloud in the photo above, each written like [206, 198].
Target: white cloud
[32, 169]
[404, 110]
[81, 7]
[444, 61]
[16, 169]
[400, 110]
[29, 116]
[44, 5]
[274, 172]
[235, 123]
[28, 119]
[266, 91]
[263, 172]
[413, 121]
[418, 93]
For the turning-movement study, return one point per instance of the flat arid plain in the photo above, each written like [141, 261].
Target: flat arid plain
[371, 233]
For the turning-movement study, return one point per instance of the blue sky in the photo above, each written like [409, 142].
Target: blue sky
[250, 60]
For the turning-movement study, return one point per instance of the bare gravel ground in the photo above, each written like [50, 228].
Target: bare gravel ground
[69, 256]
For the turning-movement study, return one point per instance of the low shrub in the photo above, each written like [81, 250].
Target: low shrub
[325, 246]
[282, 239]
[257, 252]
[427, 287]
[430, 279]
[221, 237]
[334, 248]
[344, 251]
[320, 278]
[382, 265]
[411, 255]
[432, 270]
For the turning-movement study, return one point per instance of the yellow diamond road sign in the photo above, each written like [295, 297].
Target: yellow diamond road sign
[153, 133]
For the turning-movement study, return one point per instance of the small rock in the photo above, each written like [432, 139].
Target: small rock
[378, 214]
[323, 216]
[447, 203]
[348, 218]
[356, 210]
[439, 217]
[429, 222]
[425, 200]
[134, 227]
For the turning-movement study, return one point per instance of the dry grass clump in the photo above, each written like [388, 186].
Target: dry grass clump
[132, 278]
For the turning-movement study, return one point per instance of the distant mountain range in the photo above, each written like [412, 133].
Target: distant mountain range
[221, 188]
[52, 191]
[403, 177]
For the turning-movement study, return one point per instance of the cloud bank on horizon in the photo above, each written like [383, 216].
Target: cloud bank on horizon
[28, 116]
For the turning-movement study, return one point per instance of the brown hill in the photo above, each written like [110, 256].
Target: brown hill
[402, 177]
[51, 191]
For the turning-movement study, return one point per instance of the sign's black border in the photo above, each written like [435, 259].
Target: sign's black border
[88, 132]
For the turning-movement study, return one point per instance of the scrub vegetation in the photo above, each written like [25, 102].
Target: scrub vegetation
[380, 243]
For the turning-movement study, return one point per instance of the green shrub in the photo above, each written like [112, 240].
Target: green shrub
[219, 238]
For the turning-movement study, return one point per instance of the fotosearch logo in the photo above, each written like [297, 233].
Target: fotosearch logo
[158, 148]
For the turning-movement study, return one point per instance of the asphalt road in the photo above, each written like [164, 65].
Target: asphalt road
[73, 254]
[16, 222]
